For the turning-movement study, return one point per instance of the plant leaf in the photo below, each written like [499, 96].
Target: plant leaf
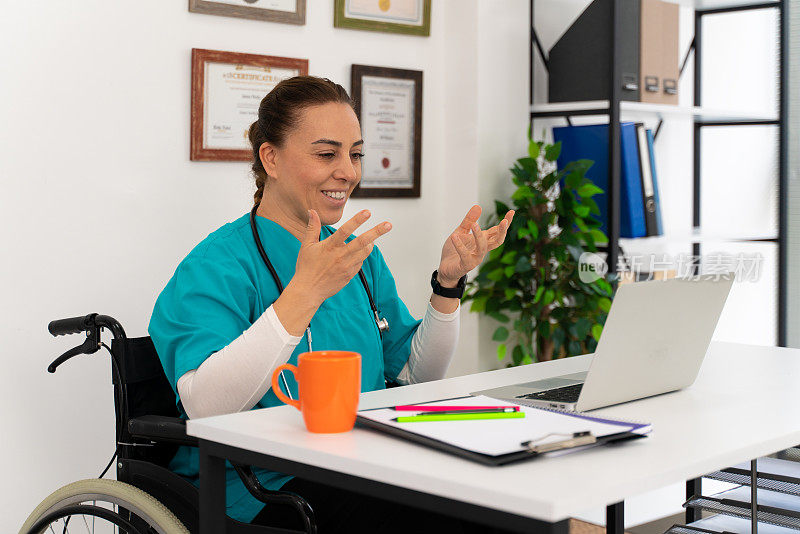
[523, 265]
[522, 193]
[497, 316]
[479, 304]
[508, 257]
[549, 295]
[588, 190]
[573, 180]
[496, 275]
[533, 229]
[517, 355]
[500, 334]
[605, 304]
[593, 207]
[551, 152]
[582, 211]
[574, 348]
[533, 149]
[599, 236]
[596, 331]
[530, 165]
[538, 295]
[501, 352]
[583, 326]
[500, 208]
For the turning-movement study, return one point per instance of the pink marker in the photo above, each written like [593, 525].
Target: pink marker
[429, 408]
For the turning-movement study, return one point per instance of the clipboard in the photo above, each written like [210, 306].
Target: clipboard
[503, 441]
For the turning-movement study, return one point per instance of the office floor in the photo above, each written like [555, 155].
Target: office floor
[659, 526]
[577, 526]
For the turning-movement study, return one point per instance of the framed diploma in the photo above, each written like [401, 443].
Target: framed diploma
[227, 88]
[412, 17]
[389, 106]
[288, 11]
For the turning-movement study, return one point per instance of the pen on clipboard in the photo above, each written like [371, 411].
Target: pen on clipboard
[428, 408]
[468, 416]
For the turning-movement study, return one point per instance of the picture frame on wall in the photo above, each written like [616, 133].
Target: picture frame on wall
[411, 17]
[227, 88]
[286, 11]
[389, 106]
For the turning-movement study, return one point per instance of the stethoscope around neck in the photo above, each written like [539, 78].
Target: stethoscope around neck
[381, 323]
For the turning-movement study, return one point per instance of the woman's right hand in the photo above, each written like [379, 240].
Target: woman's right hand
[325, 267]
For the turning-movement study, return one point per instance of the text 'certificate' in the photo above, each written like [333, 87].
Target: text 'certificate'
[387, 121]
[231, 99]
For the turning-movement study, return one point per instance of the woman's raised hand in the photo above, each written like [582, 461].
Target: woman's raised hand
[325, 267]
[466, 247]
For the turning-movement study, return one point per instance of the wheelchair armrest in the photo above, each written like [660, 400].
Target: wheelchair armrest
[161, 428]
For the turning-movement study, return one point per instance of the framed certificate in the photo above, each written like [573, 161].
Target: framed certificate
[412, 17]
[389, 106]
[227, 88]
[288, 11]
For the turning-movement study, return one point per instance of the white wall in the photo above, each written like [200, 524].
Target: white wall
[100, 201]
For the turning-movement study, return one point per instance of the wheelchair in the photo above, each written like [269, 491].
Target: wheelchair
[146, 497]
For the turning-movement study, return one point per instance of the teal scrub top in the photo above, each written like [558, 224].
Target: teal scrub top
[221, 288]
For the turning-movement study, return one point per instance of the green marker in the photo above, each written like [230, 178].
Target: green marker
[459, 417]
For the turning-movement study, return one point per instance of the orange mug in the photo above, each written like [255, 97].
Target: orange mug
[328, 384]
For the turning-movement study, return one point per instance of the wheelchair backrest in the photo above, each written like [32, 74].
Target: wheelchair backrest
[148, 390]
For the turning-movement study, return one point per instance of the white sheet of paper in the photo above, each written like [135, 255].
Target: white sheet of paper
[397, 11]
[387, 119]
[501, 436]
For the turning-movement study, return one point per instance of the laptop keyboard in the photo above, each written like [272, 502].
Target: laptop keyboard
[565, 394]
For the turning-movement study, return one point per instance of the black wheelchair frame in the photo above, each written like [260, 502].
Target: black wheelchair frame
[149, 429]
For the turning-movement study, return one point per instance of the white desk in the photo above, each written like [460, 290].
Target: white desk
[743, 405]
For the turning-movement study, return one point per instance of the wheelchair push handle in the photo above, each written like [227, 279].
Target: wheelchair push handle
[92, 325]
[72, 325]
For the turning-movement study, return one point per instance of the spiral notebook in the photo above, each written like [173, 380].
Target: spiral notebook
[501, 441]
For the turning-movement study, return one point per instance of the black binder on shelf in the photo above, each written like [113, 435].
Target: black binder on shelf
[502, 441]
[580, 61]
[651, 219]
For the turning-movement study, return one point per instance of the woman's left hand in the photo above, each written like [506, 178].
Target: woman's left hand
[468, 244]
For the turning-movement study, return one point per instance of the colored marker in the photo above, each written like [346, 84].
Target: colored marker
[505, 409]
[458, 417]
[428, 408]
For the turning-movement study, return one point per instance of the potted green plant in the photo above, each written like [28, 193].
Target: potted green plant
[543, 284]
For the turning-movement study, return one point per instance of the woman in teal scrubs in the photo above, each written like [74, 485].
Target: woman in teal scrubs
[221, 324]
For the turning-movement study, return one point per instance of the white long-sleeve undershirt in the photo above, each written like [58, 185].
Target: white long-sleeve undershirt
[236, 377]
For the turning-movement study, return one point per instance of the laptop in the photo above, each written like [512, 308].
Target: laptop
[654, 340]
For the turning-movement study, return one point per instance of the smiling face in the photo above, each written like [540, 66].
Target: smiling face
[317, 167]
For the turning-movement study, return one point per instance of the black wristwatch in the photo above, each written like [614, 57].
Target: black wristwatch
[449, 292]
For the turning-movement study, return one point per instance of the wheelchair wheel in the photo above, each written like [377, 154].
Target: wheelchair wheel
[101, 506]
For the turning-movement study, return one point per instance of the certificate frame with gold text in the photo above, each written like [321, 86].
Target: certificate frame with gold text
[285, 11]
[389, 107]
[411, 17]
[227, 88]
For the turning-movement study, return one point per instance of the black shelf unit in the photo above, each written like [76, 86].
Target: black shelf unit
[613, 110]
[778, 476]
